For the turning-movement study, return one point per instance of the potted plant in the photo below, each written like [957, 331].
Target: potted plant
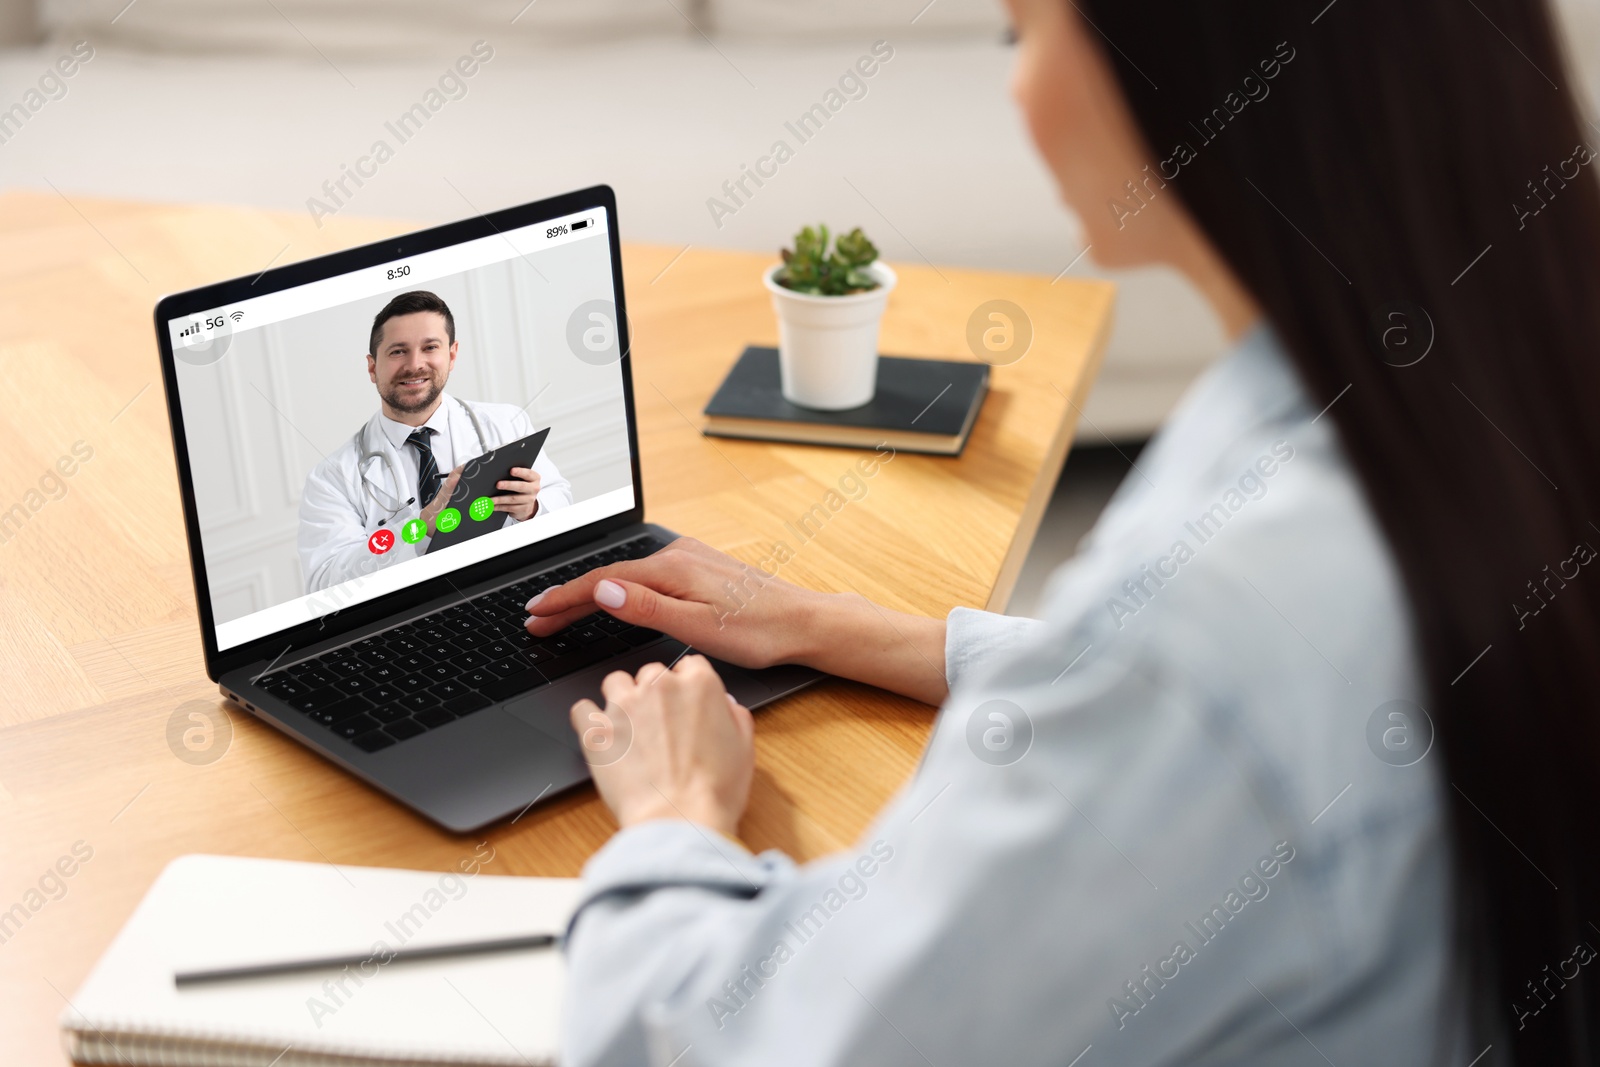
[829, 304]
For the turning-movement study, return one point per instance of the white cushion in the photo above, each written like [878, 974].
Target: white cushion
[365, 28]
[891, 20]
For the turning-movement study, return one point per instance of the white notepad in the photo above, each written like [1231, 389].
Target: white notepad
[215, 911]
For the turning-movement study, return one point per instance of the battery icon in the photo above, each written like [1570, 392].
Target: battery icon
[580, 224]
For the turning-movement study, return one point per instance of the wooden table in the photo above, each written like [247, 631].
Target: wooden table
[100, 643]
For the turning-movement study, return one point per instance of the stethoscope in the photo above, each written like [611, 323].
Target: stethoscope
[386, 456]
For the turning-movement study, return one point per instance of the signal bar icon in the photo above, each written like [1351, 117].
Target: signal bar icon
[190, 330]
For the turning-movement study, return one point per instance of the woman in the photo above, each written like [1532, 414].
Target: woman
[1298, 768]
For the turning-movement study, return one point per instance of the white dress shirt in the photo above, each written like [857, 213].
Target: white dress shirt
[442, 441]
[1150, 828]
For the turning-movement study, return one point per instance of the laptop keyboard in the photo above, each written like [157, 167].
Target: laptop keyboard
[417, 676]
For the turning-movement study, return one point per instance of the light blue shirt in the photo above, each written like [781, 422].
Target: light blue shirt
[1175, 821]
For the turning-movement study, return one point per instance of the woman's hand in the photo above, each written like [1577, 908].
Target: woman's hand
[670, 744]
[731, 610]
[700, 596]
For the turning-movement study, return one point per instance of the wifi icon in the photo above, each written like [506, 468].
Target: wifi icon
[236, 316]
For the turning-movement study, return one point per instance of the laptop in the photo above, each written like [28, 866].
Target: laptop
[301, 399]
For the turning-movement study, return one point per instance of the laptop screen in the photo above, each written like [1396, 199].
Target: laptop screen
[323, 422]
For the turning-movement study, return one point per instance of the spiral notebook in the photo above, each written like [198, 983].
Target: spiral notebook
[215, 911]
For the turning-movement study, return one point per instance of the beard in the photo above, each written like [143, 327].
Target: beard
[398, 400]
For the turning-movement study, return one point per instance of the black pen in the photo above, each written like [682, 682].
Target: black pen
[429, 952]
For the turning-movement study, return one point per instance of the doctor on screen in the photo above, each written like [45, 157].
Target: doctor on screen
[405, 462]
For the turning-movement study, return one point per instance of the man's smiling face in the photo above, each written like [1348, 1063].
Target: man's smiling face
[413, 361]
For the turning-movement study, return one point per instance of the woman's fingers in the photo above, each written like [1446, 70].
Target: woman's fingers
[742, 718]
[636, 591]
[559, 607]
[580, 712]
[641, 605]
[580, 590]
[696, 667]
[686, 570]
[617, 687]
[545, 625]
[649, 673]
[697, 670]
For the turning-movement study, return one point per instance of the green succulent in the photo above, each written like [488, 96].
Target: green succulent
[811, 268]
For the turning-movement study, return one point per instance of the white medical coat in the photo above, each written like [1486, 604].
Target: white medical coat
[338, 514]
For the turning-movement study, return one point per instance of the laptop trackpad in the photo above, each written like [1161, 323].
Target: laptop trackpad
[548, 708]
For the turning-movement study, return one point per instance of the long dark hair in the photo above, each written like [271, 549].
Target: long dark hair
[1415, 173]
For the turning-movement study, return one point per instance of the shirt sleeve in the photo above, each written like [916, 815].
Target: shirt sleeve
[973, 637]
[1042, 885]
[332, 540]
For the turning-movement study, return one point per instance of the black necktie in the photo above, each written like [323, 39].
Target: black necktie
[428, 480]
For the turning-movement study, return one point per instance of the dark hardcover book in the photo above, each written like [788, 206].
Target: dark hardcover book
[921, 405]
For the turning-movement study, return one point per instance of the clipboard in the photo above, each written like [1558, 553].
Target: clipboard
[478, 478]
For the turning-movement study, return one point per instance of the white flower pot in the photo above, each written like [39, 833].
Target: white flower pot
[828, 345]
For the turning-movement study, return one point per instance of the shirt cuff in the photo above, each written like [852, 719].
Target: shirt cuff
[972, 637]
[676, 853]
